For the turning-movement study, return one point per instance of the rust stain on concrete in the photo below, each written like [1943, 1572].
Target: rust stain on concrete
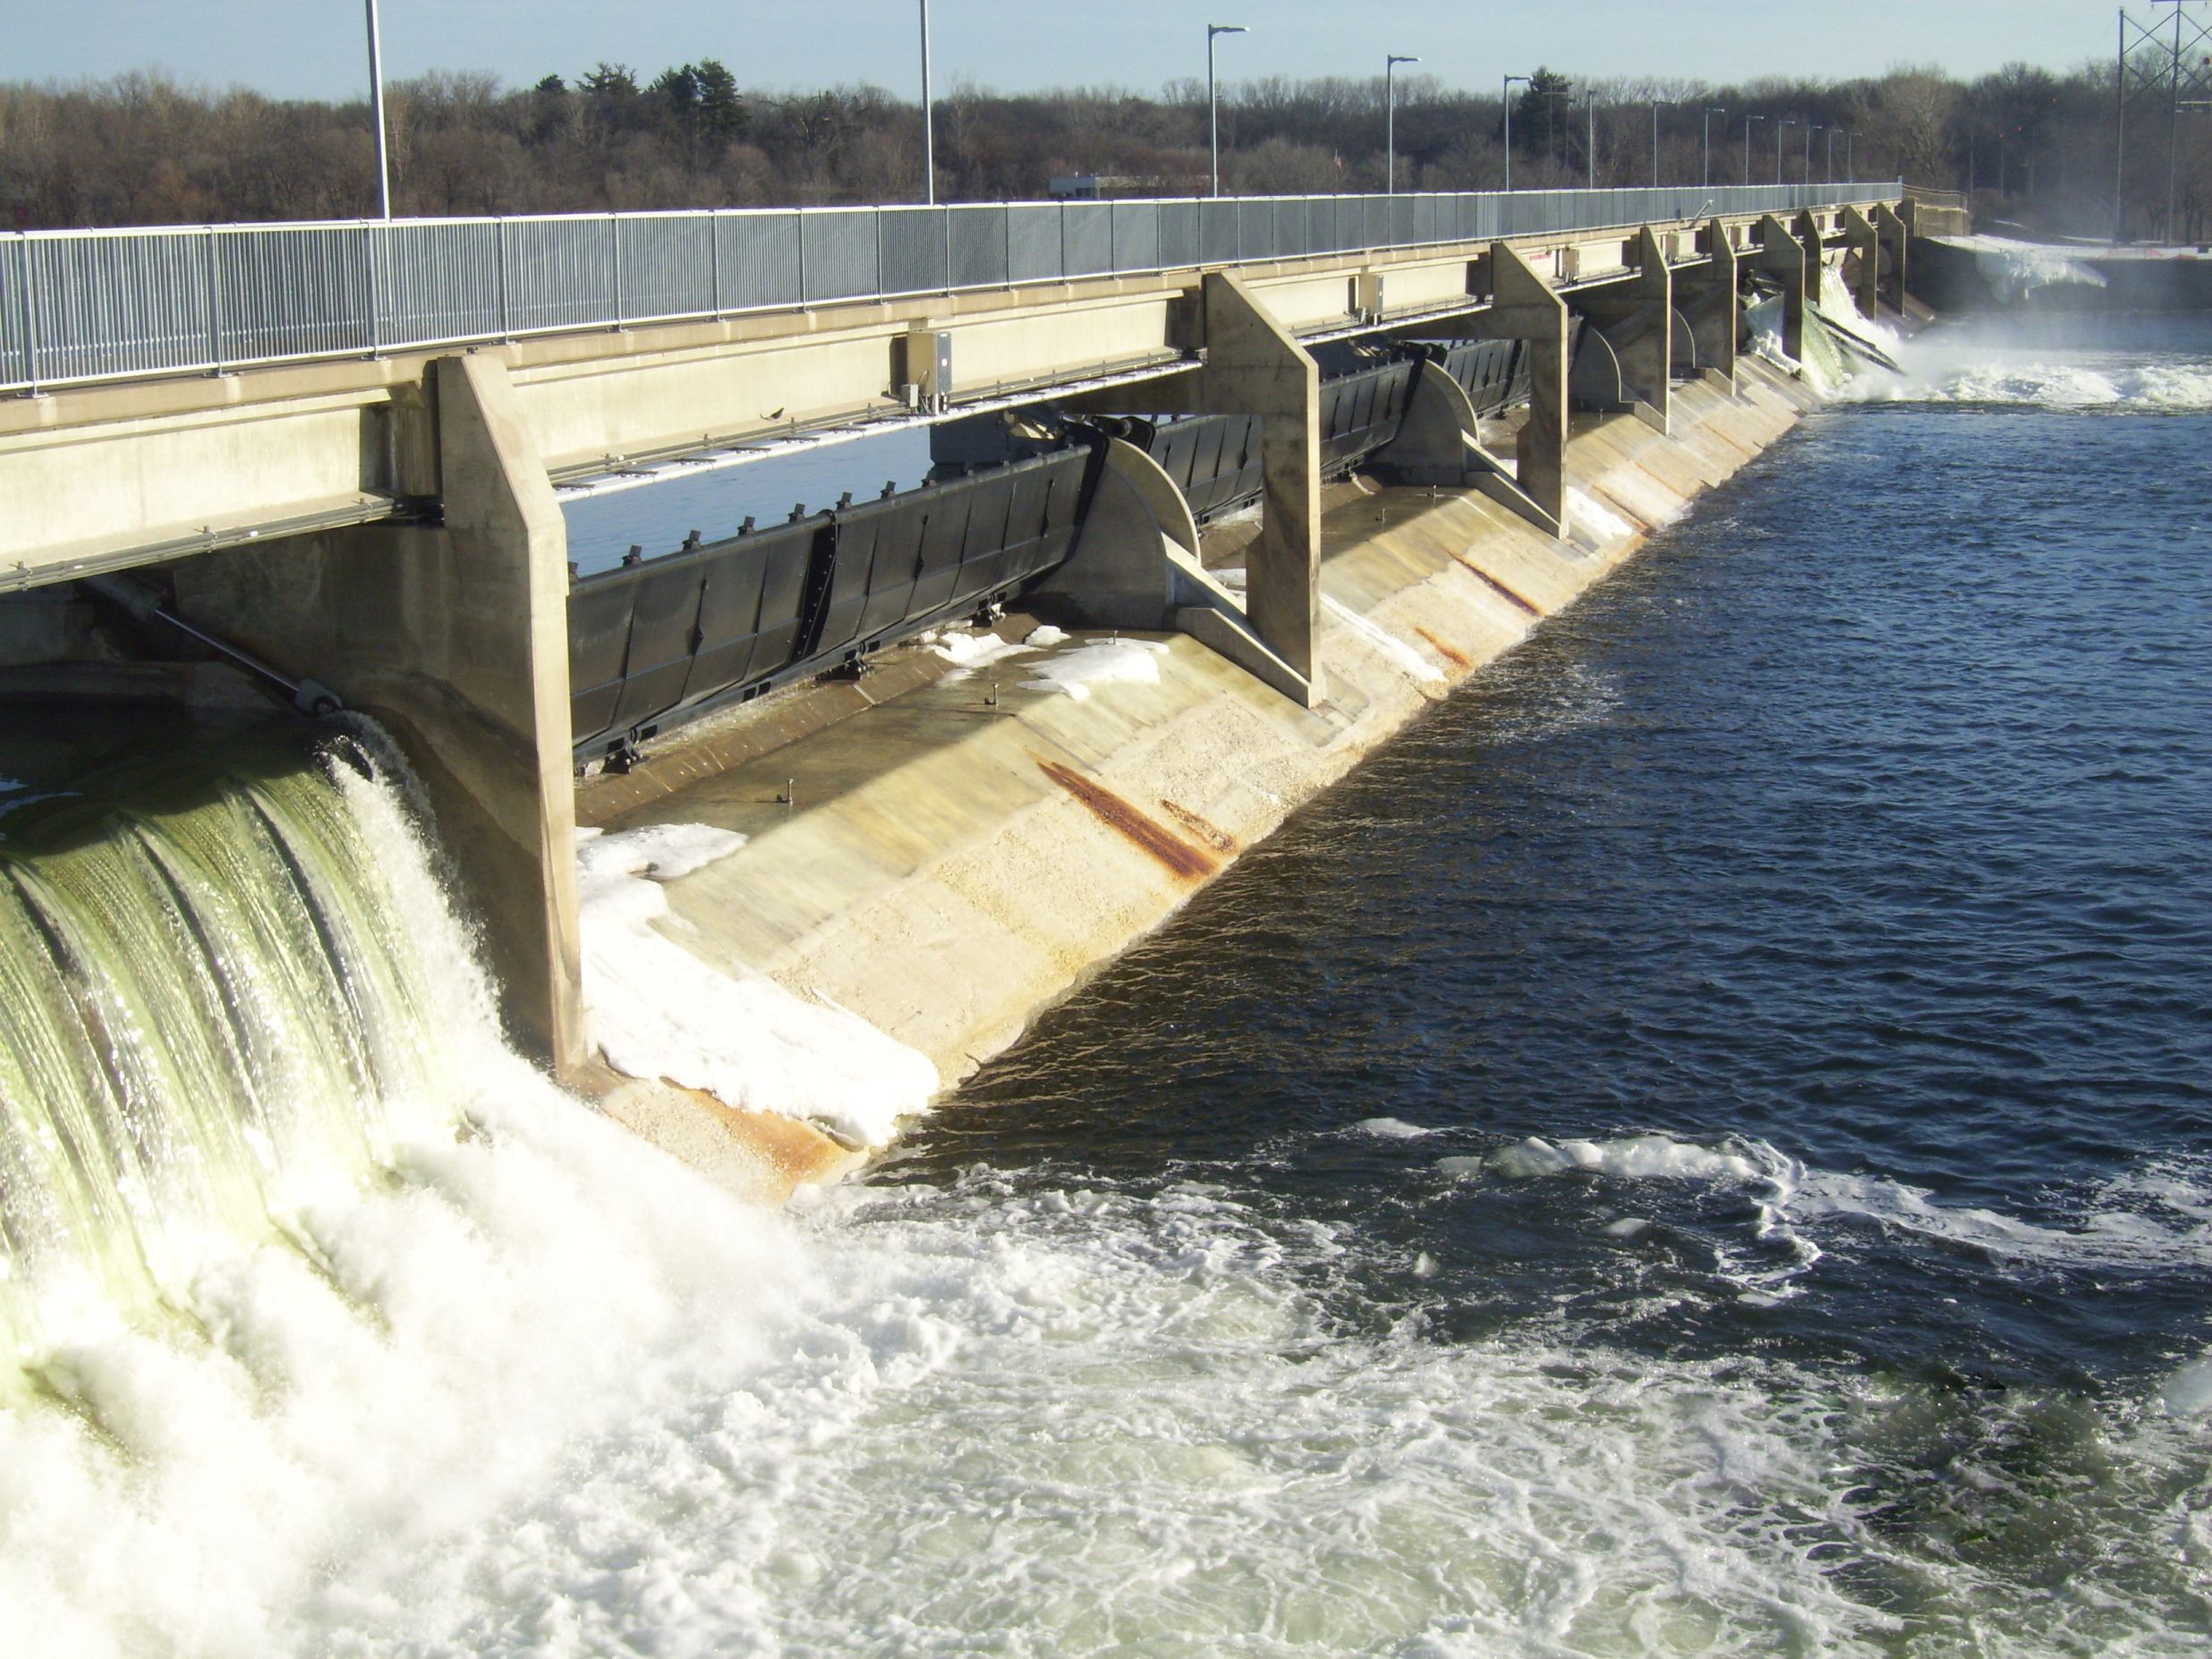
[1457, 658]
[1534, 610]
[1178, 857]
[1212, 834]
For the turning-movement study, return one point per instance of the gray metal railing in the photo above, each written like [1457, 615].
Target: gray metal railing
[78, 306]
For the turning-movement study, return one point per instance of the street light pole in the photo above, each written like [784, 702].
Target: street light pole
[1780, 127]
[1213, 99]
[1748, 120]
[1710, 113]
[376, 105]
[1654, 143]
[1389, 120]
[1810, 129]
[1506, 95]
[929, 128]
[1851, 159]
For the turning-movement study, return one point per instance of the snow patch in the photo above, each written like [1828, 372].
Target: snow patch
[656, 1010]
[1045, 634]
[1102, 662]
[970, 651]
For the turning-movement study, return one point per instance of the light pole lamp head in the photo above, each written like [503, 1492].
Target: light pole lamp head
[1225, 29]
[1395, 59]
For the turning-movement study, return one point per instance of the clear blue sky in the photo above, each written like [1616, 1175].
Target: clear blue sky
[314, 47]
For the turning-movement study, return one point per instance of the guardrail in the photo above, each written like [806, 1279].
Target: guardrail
[82, 306]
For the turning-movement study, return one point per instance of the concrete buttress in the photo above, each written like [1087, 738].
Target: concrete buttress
[1255, 366]
[1709, 302]
[1781, 257]
[455, 639]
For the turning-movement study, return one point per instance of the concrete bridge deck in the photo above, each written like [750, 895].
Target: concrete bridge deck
[133, 466]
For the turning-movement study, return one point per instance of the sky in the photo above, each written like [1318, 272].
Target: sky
[315, 48]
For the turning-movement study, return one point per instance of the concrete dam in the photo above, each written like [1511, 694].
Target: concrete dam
[763, 839]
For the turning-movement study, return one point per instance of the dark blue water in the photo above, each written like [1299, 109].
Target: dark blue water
[1796, 955]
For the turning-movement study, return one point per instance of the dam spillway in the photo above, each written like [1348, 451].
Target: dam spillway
[1560, 1230]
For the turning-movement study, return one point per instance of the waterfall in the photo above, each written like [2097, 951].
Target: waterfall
[225, 1001]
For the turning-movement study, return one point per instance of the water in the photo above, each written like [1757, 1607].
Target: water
[1699, 1149]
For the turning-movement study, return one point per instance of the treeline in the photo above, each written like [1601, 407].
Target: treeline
[2035, 147]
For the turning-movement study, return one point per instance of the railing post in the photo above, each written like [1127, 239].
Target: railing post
[714, 257]
[614, 255]
[799, 220]
[30, 317]
[507, 328]
[879, 242]
[945, 214]
[372, 264]
[215, 309]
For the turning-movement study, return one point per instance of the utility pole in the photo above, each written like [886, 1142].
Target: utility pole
[1710, 113]
[929, 129]
[1506, 94]
[376, 105]
[1213, 97]
[1389, 120]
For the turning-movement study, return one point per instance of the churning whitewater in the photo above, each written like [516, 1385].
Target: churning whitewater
[1697, 1150]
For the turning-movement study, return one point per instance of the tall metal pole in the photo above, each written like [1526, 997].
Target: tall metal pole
[1505, 94]
[2120, 130]
[2174, 123]
[1780, 126]
[1710, 112]
[1654, 143]
[1748, 120]
[1391, 62]
[1811, 128]
[929, 126]
[1851, 159]
[1590, 144]
[1827, 167]
[1213, 100]
[375, 105]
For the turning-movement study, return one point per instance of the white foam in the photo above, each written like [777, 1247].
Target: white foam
[1043, 635]
[2014, 269]
[1642, 1157]
[8, 785]
[1585, 511]
[657, 1011]
[1102, 662]
[1411, 661]
[2188, 1392]
[1392, 1129]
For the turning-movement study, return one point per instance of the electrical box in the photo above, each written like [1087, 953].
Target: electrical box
[1368, 294]
[929, 364]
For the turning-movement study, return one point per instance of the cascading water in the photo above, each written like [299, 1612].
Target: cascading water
[218, 1014]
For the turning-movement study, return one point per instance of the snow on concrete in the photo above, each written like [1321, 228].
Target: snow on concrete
[1102, 662]
[656, 1010]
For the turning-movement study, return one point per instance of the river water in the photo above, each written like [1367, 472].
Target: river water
[1700, 1148]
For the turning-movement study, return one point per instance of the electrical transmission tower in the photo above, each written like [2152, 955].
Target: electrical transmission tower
[2159, 63]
